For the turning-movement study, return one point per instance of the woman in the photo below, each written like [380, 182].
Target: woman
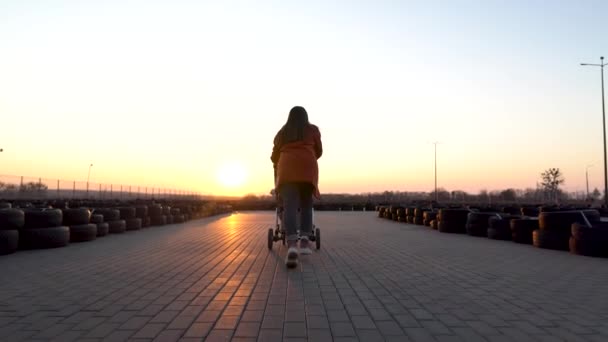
[297, 146]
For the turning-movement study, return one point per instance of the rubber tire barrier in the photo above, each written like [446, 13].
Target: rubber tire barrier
[452, 220]
[9, 241]
[42, 218]
[141, 211]
[521, 230]
[179, 218]
[402, 219]
[434, 224]
[127, 213]
[419, 212]
[410, 219]
[158, 220]
[561, 221]
[478, 223]
[117, 227]
[155, 210]
[175, 211]
[83, 232]
[590, 241]
[166, 210]
[11, 219]
[103, 229]
[76, 217]
[499, 228]
[551, 239]
[39, 238]
[108, 214]
[169, 219]
[97, 219]
[428, 216]
[134, 224]
[418, 220]
[146, 222]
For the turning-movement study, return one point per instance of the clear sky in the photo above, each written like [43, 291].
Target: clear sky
[166, 93]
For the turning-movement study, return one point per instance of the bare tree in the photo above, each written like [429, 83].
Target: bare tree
[551, 179]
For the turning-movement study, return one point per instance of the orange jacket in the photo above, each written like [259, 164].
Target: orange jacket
[297, 161]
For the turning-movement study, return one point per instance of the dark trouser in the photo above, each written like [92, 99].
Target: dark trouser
[297, 195]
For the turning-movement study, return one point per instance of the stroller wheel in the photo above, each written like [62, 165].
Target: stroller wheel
[270, 238]
[318, 238]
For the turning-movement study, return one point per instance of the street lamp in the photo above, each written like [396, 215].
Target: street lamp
[88, 177]
[601, 65]
[587, 178]
[436, 194]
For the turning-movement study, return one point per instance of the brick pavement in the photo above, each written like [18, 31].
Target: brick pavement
[373, 280]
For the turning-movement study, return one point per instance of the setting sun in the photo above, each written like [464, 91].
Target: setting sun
[232, 174]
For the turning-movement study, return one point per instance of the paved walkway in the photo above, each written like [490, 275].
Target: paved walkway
[373, 280]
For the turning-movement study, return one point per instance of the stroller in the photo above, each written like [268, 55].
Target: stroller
[278, 233]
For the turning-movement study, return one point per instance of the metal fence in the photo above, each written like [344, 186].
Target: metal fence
[31, 188]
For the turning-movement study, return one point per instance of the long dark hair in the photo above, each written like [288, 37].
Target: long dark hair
[293, 130]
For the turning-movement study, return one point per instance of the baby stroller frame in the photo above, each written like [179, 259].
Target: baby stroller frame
[278, 233]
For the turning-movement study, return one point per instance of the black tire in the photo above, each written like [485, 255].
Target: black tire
[588, 247]
[521, 230]
[127, 213]
[434, 224]
[175, 211]
[49, 237]
[108, 214]
[141, 211]
[11, 219]
[158, 220]
[597, 232]
[561, 221]
[83, 233]
[146, 222]
[318, 238]
[133, 224]
[551, 240]
[450, 227]
[169, 219]
[117, 227]
[97, 219]
[418, 221]
[155, 210]
[166, 210]
[42, 218]
[500, 227]
[270, 238]
[103, 229]
[179, 218]
[76, 217]
[9, 241]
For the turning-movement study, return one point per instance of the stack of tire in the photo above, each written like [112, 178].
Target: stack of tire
[128, 215]
[410, 214]
[178, 217]
[499, 226]
[167, 213]
[156, 215]
[42, 229]
[529, 211]
[419, 216]
[555, 227]
[112, 216]
[522, 229]
[427, 217]
[381, 210]
[452, 220]
[79, 222]
[589, 241]
[103, 228]
[478, 223]
[401, 215]
[11, 221]
[141, 212]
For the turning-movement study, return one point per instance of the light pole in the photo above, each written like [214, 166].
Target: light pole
[88, 177]
[587, 178]
[436, 194]
[601, 65]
